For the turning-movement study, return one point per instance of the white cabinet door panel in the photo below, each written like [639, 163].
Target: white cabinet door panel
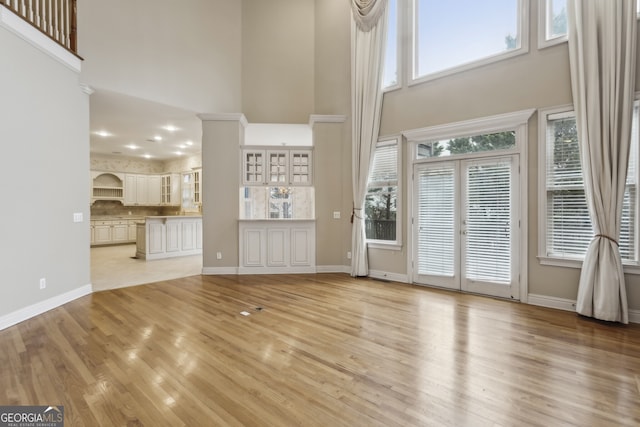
[277, 247]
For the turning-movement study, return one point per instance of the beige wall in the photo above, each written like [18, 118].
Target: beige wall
[184, 54]
[277, 60]
[221, 188]
[44, 129]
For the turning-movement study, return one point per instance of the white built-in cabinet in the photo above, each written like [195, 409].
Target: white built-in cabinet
[170, 190]
[109, 232]
[277, 246]
[142, 190]
[277, 167]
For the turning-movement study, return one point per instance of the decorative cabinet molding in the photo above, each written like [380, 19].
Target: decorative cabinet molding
[277, 167]
[106, 186]
[111, 232]
[281, 246]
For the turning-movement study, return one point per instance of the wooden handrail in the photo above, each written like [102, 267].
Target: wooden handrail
[55, 18]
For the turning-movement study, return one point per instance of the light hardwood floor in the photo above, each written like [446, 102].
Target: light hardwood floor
[325, 350]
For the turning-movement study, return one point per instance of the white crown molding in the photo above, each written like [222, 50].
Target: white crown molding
[490, 124]
[87, 89]
[224, 117]
[43, 306]
[36, 38]
[326, 118]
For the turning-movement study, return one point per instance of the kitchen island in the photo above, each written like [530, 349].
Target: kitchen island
[169, 236]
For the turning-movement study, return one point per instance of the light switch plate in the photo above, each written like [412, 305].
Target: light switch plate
[336, 215]
[78, 217]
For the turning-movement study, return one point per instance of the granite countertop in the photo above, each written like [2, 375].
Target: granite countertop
[116, 217]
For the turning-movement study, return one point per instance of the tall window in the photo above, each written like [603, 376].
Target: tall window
[553, 26]
[567, 229]
[390, 73]
[458, 34]
[381, 202]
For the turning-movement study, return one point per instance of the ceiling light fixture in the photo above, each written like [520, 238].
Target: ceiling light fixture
[132, 147]
[147, 156]
[189, 142]
[171, 128]
[179, 153]
[102, 133]
[157, 138]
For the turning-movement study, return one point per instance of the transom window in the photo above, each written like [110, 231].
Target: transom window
[467, 145]
[458, 34]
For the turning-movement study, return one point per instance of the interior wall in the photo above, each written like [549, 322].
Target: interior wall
[277, 60]
[220, 192]
[44, 130]
[332, 82]
[184, 55]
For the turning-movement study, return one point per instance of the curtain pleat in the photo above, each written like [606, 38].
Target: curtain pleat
[368, 38]
[602, 53]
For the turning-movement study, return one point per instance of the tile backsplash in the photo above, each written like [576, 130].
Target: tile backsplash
[115, 208]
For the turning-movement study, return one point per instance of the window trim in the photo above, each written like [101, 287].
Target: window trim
[543, 42]
[389, 244]
[399, 48]
[544, 114]
[413, 79]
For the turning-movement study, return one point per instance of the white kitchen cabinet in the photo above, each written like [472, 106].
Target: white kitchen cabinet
[102, 232]
[142, 190]
[277, 246]
[276, 167]
[119, 231]
[169, 236]
[154, 190]
[106, 186]
[170, 190]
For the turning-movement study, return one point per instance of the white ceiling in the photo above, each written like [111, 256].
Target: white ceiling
[135, 122]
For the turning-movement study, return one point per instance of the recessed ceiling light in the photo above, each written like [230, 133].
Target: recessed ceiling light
[102, 133]
[179, 153]
[171, 128]
[189, 142]
[157, 138]
[147, 156]
[132, 146]
[182, 146]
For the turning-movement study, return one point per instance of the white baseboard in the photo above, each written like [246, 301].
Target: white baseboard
[43, 306]
[383, 275]
[333, 269]
[551, 302]
[569, 305]
[219, 271]
[276, 270]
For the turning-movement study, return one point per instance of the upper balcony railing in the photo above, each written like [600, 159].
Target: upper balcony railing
[55, 18]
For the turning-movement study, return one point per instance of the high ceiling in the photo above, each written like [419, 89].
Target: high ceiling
[130, 127]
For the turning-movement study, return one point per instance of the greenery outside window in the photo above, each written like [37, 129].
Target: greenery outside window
[566, 229]
[552, 20]
[466, 145]
[382, 220]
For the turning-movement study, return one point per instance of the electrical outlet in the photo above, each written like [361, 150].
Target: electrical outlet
[43, 283]
[336, 215]
[218, 255]
[349, 255]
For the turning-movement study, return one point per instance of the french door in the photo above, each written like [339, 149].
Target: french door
[466, 225]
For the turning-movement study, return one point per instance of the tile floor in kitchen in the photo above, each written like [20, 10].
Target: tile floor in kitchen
[116, 267]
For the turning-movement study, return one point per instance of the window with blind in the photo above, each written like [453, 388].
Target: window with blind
[567, 229]
[381, 201]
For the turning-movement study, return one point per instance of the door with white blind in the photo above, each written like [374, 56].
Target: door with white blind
[466, 225]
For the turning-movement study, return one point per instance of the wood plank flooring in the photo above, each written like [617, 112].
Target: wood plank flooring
[325, 350]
